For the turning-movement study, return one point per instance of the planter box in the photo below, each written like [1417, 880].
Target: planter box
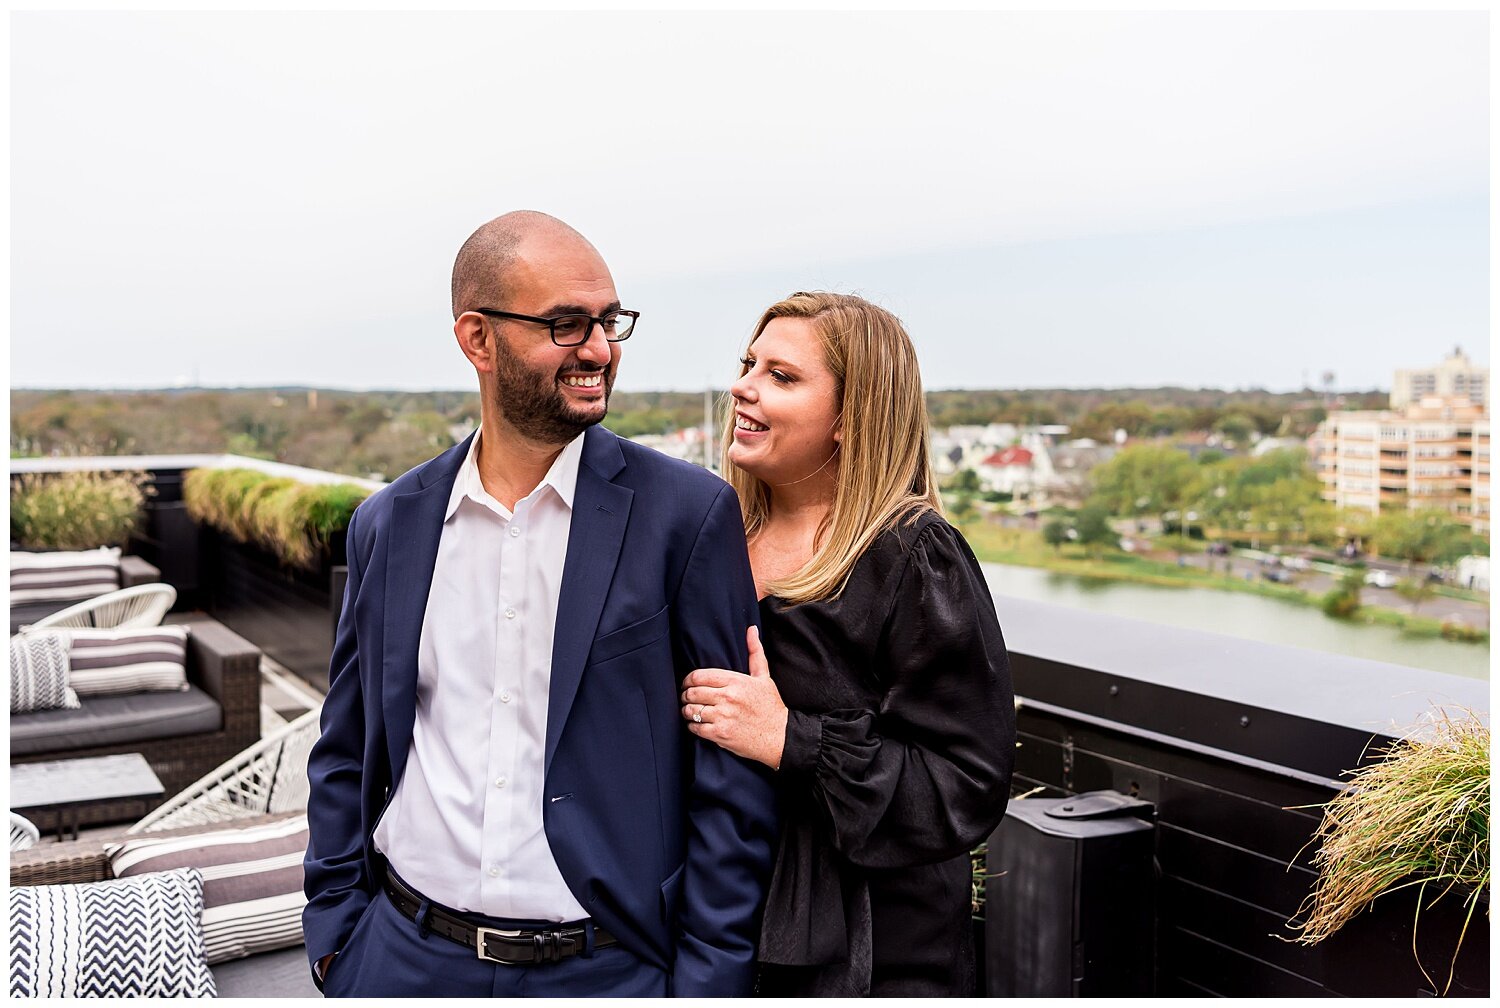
[289, 612]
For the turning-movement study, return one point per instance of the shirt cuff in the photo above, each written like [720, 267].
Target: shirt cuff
[804, 737]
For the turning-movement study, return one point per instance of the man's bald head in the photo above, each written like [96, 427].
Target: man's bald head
[479, 271]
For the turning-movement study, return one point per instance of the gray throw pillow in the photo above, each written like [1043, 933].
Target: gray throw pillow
[103, 662]
[39, 673]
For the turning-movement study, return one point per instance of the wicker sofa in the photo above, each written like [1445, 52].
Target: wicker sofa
[182, 735]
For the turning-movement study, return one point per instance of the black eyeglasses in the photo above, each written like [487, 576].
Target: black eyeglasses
[574, 330]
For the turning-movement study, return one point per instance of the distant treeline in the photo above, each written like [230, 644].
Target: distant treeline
[382, 434]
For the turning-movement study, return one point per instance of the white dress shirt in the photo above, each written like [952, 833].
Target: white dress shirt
[464, 827]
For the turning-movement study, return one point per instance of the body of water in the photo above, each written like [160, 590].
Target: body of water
[1239, 615]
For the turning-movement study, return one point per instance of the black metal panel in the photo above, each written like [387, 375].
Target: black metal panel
[1373, 954]
[1224, 868]
[1240, 819]
[1229, 973]
[1257, 932]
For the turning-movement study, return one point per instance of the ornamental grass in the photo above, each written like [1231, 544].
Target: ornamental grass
[292, 520]
[76, 510]
[1420, 816]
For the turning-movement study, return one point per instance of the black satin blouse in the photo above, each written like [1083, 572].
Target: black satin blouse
[899, 748]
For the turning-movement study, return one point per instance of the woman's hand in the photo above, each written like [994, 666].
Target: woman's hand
[741, 713]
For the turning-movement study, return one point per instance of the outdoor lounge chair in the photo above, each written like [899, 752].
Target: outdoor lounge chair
[127, 609]
[269, 777]
[23, 833]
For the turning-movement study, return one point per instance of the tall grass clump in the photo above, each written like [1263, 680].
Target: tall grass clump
[1418, 817]
[76, 510]
[292, 520]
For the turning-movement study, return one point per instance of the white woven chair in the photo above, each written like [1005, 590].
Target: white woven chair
[270, 776]
[23, 833]
[127, 609]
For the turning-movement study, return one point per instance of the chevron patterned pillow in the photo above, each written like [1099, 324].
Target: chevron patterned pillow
[137, 937]
[39, 673]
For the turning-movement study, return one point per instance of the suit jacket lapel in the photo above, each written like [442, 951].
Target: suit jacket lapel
[416, 526]
[601, 510]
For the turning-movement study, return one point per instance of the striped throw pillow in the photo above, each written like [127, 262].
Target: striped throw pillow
[127, 661]
[63, 577]
[252, 881]
[39, 673]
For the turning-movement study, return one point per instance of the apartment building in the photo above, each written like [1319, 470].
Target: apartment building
[1433, 454]
[1455, 378]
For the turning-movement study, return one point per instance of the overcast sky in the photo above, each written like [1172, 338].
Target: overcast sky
[1096, 199]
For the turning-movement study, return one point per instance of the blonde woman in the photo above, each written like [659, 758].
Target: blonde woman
[881, 692]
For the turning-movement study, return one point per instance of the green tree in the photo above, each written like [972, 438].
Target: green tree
[1055, 533]
[1422, 537]
[1093, 528]
[1144, 479]
[1235, 427]
[1343, 599]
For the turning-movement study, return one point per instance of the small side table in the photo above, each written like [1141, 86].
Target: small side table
[70, 787]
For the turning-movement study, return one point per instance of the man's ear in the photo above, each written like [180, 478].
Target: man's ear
[470, 331]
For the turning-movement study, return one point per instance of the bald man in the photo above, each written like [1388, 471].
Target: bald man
[504, 799]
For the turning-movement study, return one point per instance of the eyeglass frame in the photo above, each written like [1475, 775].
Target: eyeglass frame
[551, 323]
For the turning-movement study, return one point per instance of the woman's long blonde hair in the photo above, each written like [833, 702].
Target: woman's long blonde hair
[884, 473]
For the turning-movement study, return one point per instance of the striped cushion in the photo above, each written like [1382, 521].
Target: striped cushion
[252, 881]
[63, 577]
[39, 673]
[103, 662]
[140, 937]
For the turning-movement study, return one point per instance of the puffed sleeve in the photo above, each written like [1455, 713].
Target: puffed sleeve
[926, 776]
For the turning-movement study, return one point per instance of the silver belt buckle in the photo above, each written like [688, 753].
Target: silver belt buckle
[480, 935]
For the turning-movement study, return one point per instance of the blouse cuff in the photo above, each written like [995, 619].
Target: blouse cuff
[804, 736]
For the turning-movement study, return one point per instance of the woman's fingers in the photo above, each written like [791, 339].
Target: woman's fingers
[709, 677]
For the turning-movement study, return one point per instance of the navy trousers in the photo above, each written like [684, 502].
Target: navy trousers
[386, 956]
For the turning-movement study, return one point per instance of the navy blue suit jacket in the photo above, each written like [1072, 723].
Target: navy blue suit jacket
[665, 839]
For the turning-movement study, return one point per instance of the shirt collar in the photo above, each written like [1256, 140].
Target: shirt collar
[562, 477]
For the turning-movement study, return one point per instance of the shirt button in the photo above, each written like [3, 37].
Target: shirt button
[499, 781]
[505, 696]
[494, 871]
[514, 531]
[510, 614]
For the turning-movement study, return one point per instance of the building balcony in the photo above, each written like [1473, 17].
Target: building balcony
[1233, 743]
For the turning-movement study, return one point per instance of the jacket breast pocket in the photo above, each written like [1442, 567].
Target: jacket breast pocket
[631, 637]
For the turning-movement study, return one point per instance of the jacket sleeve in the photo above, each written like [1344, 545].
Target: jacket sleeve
[926, 776]
[730, 802]
[334, 872]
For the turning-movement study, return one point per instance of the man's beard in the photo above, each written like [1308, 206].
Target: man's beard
[533, 403]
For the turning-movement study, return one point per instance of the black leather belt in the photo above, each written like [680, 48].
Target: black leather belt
[524, 947]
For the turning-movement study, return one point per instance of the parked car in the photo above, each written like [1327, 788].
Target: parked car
[1381, 579]
[1296, 563]
[1277, 574]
